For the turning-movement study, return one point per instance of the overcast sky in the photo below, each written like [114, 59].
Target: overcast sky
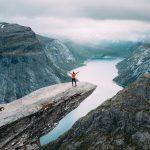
[82, 20]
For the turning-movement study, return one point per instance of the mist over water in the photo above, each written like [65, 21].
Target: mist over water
[99, 72]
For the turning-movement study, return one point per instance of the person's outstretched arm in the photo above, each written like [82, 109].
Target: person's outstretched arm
[77, 72]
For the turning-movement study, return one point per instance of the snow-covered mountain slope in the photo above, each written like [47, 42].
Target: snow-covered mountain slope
[135, 66]
[58, 53]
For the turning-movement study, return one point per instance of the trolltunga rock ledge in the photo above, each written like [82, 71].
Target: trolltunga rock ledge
[23, 121]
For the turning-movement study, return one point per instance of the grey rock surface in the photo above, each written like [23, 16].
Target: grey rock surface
[130, 69]
[120, 123]
[23, 121]
[58, 53]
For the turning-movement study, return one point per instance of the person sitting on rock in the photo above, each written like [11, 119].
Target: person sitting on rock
[74, 79]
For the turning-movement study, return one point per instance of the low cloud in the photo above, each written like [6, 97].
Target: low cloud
[83, 21]
[94, 9]
[87, 30]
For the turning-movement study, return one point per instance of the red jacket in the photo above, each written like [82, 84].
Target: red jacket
[73, 75]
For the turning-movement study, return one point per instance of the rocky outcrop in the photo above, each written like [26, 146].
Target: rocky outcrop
[122, 122]
[23, 121]
[25, 65]
[135, 66]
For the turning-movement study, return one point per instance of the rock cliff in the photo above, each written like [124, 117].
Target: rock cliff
[58, 53]
[135, 66]
[120, 123]
[26, 65]
[23, 121]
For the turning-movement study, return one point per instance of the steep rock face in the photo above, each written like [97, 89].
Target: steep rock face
[23, 121]
[135, 66]
[58, 53]
[24, 65]
[122, 122]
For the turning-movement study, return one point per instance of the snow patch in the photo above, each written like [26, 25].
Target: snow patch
[139, 62]
[2, 26]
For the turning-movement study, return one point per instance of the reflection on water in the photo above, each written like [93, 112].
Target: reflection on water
[99, 72]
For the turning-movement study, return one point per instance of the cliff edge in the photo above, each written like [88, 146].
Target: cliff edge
[23, 121]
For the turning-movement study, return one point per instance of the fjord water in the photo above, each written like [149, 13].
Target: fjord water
[99, 72]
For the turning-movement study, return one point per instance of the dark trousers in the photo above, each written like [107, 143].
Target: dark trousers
[74, 81]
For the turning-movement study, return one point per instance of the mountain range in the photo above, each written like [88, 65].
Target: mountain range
[29, 61]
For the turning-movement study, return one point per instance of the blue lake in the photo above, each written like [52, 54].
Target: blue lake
[99, 72]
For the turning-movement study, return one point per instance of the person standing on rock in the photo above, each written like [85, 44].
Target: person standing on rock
[74, 78]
